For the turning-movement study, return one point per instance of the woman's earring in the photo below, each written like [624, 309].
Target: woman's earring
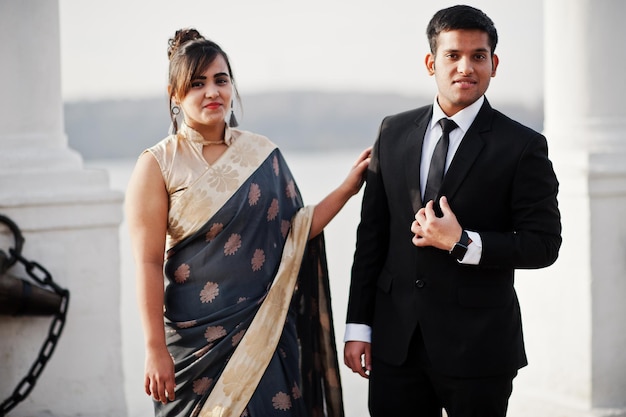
[232, 121]
[174, 111]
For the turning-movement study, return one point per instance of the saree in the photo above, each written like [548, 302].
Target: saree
[238, 242]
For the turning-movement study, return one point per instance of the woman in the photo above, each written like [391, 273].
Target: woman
[248, 329]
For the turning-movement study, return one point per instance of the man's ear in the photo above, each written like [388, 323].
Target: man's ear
[494, 64]
[429, 61]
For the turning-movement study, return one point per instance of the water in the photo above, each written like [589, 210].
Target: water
[316, 173]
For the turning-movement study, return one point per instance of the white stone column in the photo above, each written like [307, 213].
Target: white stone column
[575, 311]
[69, 217]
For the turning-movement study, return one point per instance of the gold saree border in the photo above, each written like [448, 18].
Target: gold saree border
[244, 370]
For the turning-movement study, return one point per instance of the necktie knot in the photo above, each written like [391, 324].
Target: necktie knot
[447, 125]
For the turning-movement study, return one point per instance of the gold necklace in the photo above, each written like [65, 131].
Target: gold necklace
[212, 142]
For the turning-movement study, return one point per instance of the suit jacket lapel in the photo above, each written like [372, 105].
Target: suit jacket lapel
[413, 156]
[468, 151]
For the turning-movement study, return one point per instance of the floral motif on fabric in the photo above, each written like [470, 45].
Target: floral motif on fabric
[182, 273]
[174, 228]
[209, 292]
[291, 189]
[186, 324]
[233, 383]
[258, 259]
[201, 352]
[202, 385]
[275, 165]
[232, 245]
[281, 401]
[254, 195]
[285, 225]
[237, 337]
[246, 155]
[272, 212]
[213, 333]
[295, 391]
[215, 230]
[224, 178]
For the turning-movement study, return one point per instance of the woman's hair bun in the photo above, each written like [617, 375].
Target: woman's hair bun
[181, 37]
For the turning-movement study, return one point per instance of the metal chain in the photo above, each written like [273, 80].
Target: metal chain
[43, 277]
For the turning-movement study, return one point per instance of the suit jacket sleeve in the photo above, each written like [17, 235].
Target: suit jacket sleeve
[534, 238]
[372, 243]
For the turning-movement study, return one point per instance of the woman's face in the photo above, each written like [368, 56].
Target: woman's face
[207, 102]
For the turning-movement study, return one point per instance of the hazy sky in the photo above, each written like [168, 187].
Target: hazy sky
[117, 48]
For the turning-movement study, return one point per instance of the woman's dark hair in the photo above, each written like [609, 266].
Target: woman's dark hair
[460, 17]
[190, 54]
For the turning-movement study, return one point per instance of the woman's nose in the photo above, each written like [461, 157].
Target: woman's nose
[211, 92]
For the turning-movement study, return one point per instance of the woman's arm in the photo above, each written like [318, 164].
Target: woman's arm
[328, 208]
[146, 215]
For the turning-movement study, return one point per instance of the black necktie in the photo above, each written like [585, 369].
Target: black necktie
[438, 161]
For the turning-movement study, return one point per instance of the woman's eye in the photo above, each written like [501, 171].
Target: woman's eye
[196, 84]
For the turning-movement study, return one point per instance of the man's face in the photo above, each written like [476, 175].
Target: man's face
[462, 66]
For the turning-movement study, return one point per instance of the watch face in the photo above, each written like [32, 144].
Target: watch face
[459, 251]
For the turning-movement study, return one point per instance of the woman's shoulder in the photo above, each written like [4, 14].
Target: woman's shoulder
[164, 152]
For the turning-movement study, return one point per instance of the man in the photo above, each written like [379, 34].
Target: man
[432, 277]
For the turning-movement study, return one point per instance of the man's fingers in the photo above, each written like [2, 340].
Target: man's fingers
[445, 207]
[356, 356]
[415, 227]
[429, 209]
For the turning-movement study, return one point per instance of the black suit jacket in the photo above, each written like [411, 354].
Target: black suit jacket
[500, 184]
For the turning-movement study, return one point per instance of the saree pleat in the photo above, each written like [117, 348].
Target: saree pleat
[221, 275]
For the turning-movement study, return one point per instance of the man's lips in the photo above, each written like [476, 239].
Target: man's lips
[465, 82]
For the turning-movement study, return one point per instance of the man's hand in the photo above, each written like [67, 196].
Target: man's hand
[430, 230]
[358, 357]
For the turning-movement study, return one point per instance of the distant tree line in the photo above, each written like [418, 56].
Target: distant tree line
[293, 120]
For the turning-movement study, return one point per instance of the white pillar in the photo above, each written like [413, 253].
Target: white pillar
[575, 311]
[70, 219]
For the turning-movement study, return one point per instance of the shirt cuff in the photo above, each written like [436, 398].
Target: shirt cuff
[357, 333]
[474, 250]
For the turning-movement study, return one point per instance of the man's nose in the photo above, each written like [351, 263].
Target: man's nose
[465, 66]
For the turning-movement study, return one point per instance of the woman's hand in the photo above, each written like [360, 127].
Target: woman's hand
[159, 375]
[356, 177]
[328, 208]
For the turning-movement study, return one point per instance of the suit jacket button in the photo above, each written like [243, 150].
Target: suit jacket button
[420, 283]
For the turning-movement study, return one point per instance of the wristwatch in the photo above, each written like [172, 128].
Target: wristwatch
[460, 248]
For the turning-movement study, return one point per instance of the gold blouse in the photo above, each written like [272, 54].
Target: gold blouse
[198, 189]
